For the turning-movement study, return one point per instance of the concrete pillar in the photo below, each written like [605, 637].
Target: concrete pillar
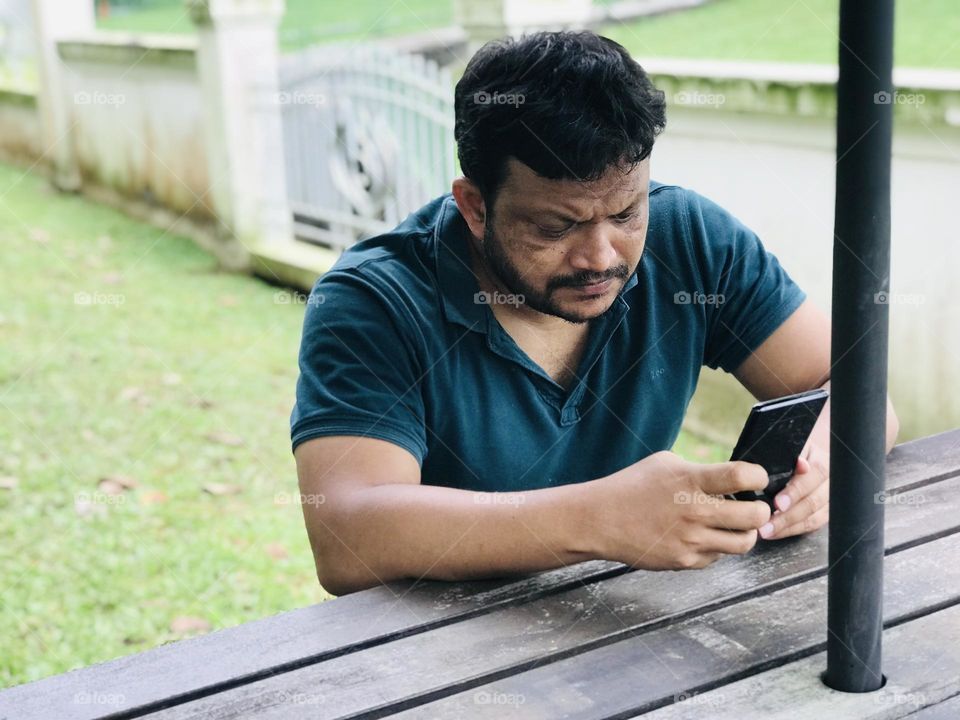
[485, 20]
[237, 58]
[52, 21]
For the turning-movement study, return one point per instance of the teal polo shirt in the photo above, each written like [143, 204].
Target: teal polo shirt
[396, 347]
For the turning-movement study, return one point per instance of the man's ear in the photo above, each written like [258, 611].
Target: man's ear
[471, 205]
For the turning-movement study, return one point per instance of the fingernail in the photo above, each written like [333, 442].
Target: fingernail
[766, 531]
[783, 502]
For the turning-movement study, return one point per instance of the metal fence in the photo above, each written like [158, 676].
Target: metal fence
[368, 138]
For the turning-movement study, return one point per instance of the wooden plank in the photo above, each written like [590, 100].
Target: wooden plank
[947, 710]
[190, 668]
[921, 661]
[924, 461]
[546, 630]
[227, 658]
[655, 669]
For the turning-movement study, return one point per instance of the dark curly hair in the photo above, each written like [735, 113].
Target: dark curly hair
[567, 104]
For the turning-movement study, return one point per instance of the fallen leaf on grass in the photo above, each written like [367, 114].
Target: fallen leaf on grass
[224, 438]
[186, 624]
[221, 489]
[135, 394]
[116, 484]
[277, 551]
[152, 497]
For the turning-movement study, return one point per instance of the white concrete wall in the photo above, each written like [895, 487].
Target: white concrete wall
[136, 117]
[776, 173]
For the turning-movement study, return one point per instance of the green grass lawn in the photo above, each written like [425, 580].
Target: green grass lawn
[927, 35]
[187, 384]
[177, 378]
[927, 32]
[305, 21]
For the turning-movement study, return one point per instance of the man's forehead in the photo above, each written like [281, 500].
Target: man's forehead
[615, 188]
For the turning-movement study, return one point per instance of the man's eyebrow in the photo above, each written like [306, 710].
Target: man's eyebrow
[533, 214]
[538, 213]
[633, 205]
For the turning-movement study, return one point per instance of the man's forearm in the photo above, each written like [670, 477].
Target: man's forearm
[386, 532]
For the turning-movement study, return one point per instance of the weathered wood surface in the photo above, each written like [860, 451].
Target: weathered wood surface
[442, 662]
[500, 626]
[226, 658]
[946, 710]
[651, 667]
[921, 659]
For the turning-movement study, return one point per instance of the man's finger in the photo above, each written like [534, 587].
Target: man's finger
[731, 477]
[808, 525]
[797, 513]
[805, 480]
[740, 514]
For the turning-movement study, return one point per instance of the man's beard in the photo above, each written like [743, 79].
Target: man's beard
[540, 300]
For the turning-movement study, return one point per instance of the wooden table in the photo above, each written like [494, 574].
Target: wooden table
[740, 639]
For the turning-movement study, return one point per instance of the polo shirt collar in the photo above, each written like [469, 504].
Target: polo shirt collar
[457, 282]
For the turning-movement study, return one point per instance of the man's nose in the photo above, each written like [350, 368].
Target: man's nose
[595, 251]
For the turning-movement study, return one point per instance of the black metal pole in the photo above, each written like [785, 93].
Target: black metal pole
[858, 388]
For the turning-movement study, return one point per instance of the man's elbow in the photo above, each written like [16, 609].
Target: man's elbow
[338, 585]
[338, 578]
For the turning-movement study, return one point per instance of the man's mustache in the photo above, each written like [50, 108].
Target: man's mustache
[587, 279]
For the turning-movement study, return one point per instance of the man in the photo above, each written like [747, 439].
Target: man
[493, 387]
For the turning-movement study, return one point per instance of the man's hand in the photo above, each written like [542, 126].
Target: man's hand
[804, 504]
[664, 513]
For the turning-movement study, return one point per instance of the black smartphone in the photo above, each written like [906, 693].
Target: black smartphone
[774, 435]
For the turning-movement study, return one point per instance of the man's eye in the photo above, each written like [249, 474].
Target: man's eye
[554, 232]
[626, 217]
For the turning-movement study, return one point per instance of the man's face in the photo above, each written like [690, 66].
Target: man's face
[568, 247]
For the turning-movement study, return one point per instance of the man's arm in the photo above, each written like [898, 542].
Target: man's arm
[370, 520]
[796, 357]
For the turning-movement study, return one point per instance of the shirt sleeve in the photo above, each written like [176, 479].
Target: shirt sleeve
[752, 295]
[359, 370]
